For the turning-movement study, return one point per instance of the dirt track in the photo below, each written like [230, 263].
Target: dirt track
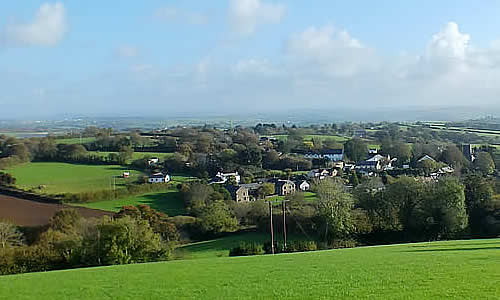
[30, 213]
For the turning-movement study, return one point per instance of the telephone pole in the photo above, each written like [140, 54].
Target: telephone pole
[272, 231]
[284, 224]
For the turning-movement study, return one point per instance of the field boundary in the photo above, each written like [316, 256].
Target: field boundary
[13, 192]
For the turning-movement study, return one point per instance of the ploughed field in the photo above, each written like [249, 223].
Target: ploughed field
[467, 269]
[30, 213]
[55, 178]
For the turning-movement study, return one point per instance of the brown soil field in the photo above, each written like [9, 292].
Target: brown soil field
[30, 213]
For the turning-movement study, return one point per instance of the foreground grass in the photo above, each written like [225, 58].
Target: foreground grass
[57, 178]
[454, 269]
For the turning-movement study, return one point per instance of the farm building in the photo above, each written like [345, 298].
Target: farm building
[238, 193]
[158, 178]
[284, 187]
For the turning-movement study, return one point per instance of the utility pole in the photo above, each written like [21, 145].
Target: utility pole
[272, 231]
[284, 224]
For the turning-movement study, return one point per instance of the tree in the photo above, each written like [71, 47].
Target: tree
[356, 149]
[354, 180]
[9, 235]
[334, 209]
[121, 241]
[125, 154]
[265, 189]
[217, 218]
[484, 163]
[453, 156]
[7, 179]
[444, 208]
[65, 220]
[478, 196]
[406, 195]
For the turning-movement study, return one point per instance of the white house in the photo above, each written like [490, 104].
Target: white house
[158, 178]
[302, 185]
[224, 177]
[426, 157]
[153, 161]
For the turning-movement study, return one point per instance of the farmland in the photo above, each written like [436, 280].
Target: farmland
[135, 155]
[83, 140]
[453, 269]
[30, 213]
[54, 178]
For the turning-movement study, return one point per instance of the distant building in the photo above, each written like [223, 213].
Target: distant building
[424, 158]
[468, 152]
[372, 151]
[330, 154]
[153, 161]
[360, 133]
[238, 193]
[302, 185]
[158, 178]
[284, 187]
[126, 174]
[224, 177]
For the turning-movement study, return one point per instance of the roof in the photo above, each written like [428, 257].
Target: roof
[157, 175]
[234, 188]
[333, 151]
[251, 186]
[299, 182]
[426, 157]
[376, 158]
[282, 182]
[367, 163]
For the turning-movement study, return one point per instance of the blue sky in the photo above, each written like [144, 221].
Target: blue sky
[127, 57]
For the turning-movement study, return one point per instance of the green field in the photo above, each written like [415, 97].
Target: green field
[83, 140]
[69, 178]
[454, 269]
[136, 155]
[169, 202]
[309, 137]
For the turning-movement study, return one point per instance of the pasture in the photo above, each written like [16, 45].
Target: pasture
[83, 140]
[169, 201]
[55, 178]
[468, 269]
[136, 155]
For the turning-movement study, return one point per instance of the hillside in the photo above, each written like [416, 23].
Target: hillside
[456, 269]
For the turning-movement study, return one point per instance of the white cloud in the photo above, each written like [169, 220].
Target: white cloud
[175, 14]
[330, 51]
[247, 15]
[47, 29]
[127, 51]
[449, 43]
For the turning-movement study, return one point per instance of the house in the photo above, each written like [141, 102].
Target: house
[252, 189]
[360, 133]
[158, 178]
[385, 161]
[284, 187]
[338, 165]
[330, 154]
[372, 151]
[153, 161]
[302, 185]
[224, 177]
[126, 174]
[319, 174]
[468, 152]
[369, 165]
[238, 193]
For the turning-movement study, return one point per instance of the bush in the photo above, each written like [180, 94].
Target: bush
[246, 249]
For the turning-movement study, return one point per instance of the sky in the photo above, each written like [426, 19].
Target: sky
[161, 58]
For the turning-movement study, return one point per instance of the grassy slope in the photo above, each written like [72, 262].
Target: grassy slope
[72, 178]
[454, 269]
[169, 202]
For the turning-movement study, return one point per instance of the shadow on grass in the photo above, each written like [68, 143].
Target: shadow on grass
[454, 249]
[169, 203]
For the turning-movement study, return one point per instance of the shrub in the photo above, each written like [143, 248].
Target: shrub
[245, 249]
